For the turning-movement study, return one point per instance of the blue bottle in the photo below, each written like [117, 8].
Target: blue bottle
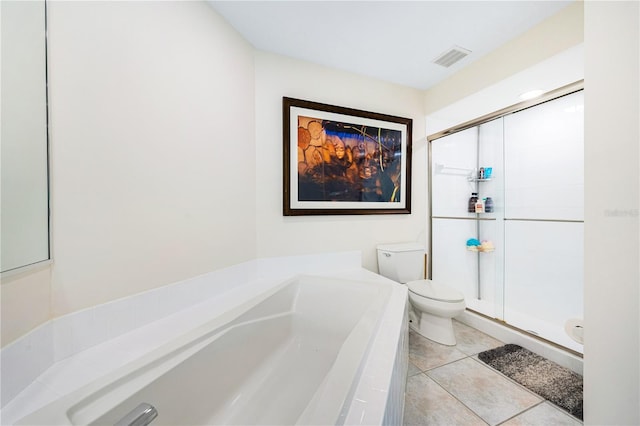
[488, 205]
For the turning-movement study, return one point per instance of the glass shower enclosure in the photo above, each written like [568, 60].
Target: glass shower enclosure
[516, 251]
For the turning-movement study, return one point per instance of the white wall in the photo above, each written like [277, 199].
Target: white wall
[152, 147]
[278, 76]
[612, 187]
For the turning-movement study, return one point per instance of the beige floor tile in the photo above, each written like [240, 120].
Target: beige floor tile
[543, 415]
[490, 395]
[471, 341]
[426, 354]
[413, 370]
[427, 404]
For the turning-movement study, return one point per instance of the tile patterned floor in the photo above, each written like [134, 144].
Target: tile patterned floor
[449, 385]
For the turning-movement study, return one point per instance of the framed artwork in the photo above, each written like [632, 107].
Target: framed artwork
[344, 161]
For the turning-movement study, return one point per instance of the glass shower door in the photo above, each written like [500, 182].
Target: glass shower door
[544, 217]
[531, 276]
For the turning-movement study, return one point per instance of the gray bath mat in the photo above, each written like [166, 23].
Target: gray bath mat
[551, 381]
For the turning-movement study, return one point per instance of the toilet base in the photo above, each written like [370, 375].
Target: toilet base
[435, 328]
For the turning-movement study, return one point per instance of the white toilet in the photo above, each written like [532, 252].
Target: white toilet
[432, 304]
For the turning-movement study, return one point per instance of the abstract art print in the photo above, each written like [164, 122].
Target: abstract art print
[343, 161]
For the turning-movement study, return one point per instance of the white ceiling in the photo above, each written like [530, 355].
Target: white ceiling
[394, 41]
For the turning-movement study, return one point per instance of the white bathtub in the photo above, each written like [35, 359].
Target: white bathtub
[292, 355]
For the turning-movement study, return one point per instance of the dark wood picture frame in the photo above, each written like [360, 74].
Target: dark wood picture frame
[344, 161]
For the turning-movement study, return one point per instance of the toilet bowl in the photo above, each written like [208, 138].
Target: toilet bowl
[432, 305]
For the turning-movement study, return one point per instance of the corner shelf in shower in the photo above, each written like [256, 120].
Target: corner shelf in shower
[472, 179]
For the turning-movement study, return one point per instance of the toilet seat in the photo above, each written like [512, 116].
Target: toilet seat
[435, 291]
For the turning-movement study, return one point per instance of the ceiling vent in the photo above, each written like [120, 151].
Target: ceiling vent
[451, 56]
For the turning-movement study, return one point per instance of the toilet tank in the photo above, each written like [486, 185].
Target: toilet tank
[401, 262]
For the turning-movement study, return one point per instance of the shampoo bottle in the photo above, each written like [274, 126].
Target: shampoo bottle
[488, 205]
[472, 202]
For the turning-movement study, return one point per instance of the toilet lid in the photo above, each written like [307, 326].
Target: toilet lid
[435, 291]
